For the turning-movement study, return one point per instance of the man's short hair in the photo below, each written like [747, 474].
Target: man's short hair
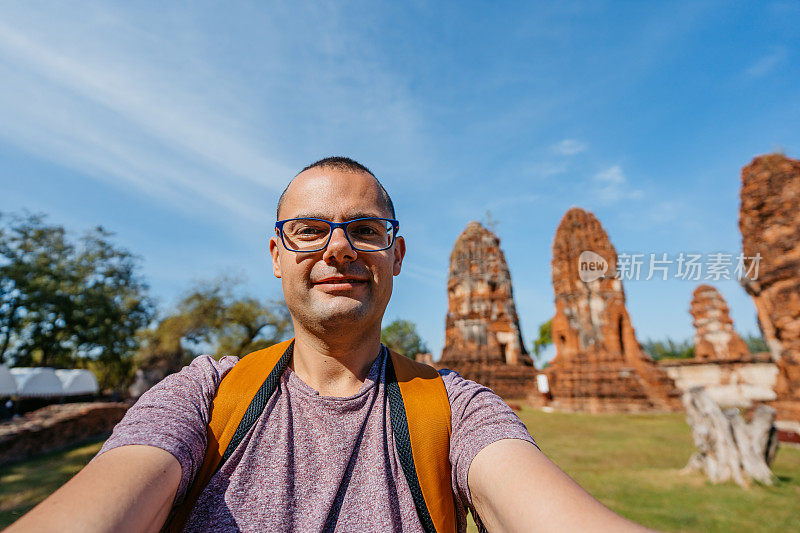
[341, 163]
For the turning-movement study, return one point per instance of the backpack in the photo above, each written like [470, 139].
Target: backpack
[420, 415]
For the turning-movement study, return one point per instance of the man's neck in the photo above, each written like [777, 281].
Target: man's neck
[336, 367]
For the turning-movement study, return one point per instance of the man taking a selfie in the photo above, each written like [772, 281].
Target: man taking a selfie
[330, 431]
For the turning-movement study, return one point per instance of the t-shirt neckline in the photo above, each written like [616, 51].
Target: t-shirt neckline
[296, 382]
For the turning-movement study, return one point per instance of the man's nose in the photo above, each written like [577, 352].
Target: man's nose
[339, 248]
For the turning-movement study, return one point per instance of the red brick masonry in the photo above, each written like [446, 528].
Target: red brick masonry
[55, 427]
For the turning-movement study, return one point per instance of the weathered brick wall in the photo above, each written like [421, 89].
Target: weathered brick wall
[55, 427]
[715, 337]
[599, 365]
[482, 323]
[483, 341]
[769, 219]
[510, 382]
[731, 383]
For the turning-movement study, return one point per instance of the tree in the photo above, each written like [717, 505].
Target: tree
[68, 303]
[232, 323]
[35, 281]
[756, 343]
[111, 306]
[210, 317]
[401, 336]
[669, 349]
[545, 339]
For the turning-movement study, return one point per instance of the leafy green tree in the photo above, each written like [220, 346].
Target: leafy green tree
[669, 349]
[162, 349]
[545, 337]
[111, 306]
[401, 336]
[756, 343]
[212, 317]
[36, 280]
[544, 340]
[233, 323]
[67, 302]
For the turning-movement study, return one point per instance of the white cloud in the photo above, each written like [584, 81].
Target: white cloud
[429, 276]
[767, 63]
[516, 199]
[149, 107]
[611, 186]
[666, 211]
[547, 169]
[120, 120]
[568, 147]
[611, 176]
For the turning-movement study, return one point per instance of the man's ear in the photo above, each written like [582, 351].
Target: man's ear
[399, 253]
[274, 249]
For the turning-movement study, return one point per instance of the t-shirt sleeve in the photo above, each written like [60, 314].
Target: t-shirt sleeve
[479, 417]
[173, 415]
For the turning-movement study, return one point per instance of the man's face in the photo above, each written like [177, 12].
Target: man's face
[319, 302]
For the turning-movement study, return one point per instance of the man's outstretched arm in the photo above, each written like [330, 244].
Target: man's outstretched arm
[130, 488]
[515, 487]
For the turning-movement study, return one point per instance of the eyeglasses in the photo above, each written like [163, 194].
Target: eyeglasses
[369, 234]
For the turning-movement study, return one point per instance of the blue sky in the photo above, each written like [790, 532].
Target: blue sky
[177, 126]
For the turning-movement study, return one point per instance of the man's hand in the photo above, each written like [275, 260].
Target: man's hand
[515, 487]
[130, 488]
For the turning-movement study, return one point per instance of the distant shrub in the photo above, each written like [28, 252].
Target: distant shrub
[756, 343]
[669, 349]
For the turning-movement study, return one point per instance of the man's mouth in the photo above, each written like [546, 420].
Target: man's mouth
[339, 280]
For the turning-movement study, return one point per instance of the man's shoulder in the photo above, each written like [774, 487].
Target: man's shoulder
[466, 395]
[204, 373]
[453, 380]
[215, 368]
[207, 363]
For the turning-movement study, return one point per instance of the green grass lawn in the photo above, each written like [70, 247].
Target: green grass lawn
[25, 484]
[629, 462]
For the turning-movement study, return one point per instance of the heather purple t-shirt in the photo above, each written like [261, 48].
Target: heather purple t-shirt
[310, 462]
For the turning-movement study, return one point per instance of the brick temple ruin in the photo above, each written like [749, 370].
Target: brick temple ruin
[722, 362]
[483, 341]
[714, 336]
[769, 220]
[599, 365]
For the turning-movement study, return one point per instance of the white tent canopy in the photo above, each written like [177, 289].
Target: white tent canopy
[37, 382]
[8, 385]
[77, 382]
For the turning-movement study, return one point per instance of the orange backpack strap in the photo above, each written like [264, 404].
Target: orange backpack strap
[420, 412]
[419, 409]
[239, 401]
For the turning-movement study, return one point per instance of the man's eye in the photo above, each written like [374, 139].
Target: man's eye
[364, 230]
[308, 230]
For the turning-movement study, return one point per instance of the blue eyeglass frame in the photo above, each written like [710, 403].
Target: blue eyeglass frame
[333, 225]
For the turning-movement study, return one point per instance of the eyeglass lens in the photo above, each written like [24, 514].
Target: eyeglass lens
[309, 234]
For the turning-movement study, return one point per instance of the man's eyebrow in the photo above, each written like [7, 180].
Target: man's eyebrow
[350, 216]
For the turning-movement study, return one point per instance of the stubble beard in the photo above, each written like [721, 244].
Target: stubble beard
[335, 315]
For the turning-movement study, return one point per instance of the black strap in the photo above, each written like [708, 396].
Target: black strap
[260, 400]
[402, 440]
[397, 412]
